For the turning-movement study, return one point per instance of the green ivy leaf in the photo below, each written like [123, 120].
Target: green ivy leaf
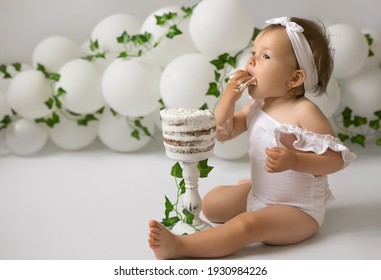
[204, 168]
[343, 137]
[188, 219]
[60, 91]
[168, 207]
[5, 122]
[218, 63]
[358, 121]
[358, 139]
[347, 113]
[378, 114]
[124, 38]
[135, 134]
[122, 54]
[17, 66]
[187, 11]
[85, 121]
[94, 45]
[182, 187]
[168, 222]
[369, 39]
[204, 106]
[375, 124]
[49, 103]
[213, 89]
[173, 31]
[177, 170]
[161, 20]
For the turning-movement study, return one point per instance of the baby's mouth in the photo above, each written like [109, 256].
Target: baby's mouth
[251, 82]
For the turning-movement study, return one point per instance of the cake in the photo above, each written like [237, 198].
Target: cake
[188, 134]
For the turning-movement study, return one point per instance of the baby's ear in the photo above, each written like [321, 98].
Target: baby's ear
[297, 78]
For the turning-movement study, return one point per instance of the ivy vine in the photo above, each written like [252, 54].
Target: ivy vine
[172, 212]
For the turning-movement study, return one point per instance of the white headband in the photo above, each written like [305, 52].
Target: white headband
[301, 48]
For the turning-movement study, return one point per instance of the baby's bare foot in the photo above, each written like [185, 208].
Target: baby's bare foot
[161, 241]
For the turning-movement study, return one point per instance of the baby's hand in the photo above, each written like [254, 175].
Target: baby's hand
[239, 82]
[279, 159]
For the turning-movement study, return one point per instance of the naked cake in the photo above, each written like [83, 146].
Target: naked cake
[188, 134]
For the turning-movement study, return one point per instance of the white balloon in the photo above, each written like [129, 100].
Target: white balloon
[351, 50]
[81, 79]
[361, 92]
[375, 47]
[54, 52]
[110, 28]
[13, 71]
[131, 86]
[25, 137]
[330, 101]
[28, 93]
[168, 49]
[68, 135]
[221, 26]
[232, 149]
[115, 132]
[185, 82]
[5, 109]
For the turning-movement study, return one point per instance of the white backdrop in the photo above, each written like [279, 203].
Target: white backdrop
[24, 23]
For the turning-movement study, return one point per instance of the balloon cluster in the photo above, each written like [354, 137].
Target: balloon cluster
[113, 86]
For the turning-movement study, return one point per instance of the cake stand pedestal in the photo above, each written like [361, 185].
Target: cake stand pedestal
[191, 201]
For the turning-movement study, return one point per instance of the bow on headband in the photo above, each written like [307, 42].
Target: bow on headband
[301, 48]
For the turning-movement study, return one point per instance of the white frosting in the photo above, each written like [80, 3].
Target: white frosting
[192, 130]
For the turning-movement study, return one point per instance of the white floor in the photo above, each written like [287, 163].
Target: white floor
[95, 204]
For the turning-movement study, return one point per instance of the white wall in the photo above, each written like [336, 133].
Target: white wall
[24, 23]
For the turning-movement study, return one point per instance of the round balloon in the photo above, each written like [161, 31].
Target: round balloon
[110, 28]
[68, 135]
[374, 54]
[131, 86]
[221, 26]
[54, 52]
[361, 92]
[81, 81]
[328, 102]
[28, 93]
[232, 149]
[168, 49]
[185, 82]
[25, 137]
[12, 70]
[116, 132]
[350, 47]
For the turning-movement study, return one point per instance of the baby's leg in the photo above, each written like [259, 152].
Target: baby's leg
[277, 225]
[225, 202]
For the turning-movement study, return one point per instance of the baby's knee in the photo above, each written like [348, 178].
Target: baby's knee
[212, 206]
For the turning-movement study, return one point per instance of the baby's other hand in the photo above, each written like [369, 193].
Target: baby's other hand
[279, 159]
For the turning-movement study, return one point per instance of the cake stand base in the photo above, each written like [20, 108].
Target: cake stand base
[181, 228]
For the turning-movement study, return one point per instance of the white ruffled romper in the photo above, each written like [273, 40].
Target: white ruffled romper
[307, 192]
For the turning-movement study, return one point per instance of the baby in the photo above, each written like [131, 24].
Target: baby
[292, 148]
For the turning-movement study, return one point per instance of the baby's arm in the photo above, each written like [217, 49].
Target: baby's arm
[281, 159]
[230, 123]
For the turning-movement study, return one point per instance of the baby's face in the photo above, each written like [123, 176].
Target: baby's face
[272, 63]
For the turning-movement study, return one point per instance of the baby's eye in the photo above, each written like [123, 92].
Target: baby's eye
[265, 56]
[252, 53]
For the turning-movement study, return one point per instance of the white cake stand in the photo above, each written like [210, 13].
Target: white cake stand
[191, 199]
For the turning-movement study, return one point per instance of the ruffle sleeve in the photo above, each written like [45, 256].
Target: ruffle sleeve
[308, 141]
